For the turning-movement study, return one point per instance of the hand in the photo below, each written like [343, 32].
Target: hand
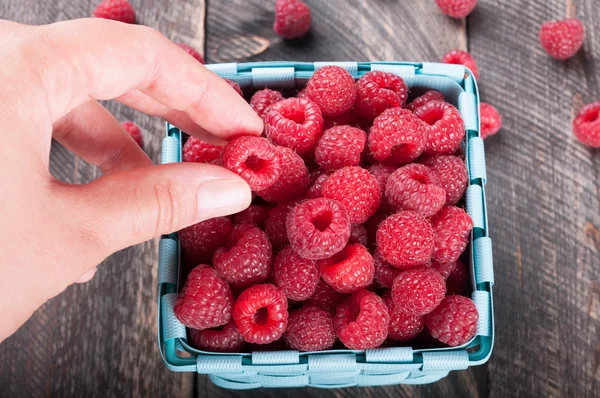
[54, 234]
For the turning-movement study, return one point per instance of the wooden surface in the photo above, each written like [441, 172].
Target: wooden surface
[543, 196]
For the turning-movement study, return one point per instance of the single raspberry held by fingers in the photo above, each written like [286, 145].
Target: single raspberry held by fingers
[262, 100]
[452, 175]
[225, 339]
[292, 18]
[326, 297]
[405, 239]
[460, 57]
[361, 322]
[491, 121]
[456, 8]
[192, 51]
[340, 146]
[415, 187]
[384, 272]
[135, 132]
[275, 227]
[378, 91]
[418, 291]
[452, 227]
[310, 329]
[199, 241]
[117, 10]
[255, 159]
[318, 228]
[404, 326]
[255, 214]
[358, 234]
[562, 39]
[454, 321]
[196, 150]
[260, 314]
[445, 128]
[235, 86]
[586, 125]
[356, 189]
[296, 276]
[458, 280]
[349, 270]
[397, 137]
[332, 88]
[293, 180]
[205, 301]
[294, 123]
[431, 95]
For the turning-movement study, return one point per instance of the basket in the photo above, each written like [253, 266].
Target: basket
[342, 368]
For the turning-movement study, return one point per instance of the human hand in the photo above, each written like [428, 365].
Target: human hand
[54, 234]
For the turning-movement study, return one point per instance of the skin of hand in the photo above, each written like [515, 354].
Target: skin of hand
[53, 234]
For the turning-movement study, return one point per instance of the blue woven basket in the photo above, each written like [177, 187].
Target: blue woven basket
[342, 368]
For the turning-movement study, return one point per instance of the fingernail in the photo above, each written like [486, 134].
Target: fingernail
[223, 197]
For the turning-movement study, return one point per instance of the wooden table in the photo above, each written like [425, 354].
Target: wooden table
[99, 339]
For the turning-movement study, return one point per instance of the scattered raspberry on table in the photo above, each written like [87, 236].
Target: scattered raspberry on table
[491, 121]
[586, 125]
[117, 10]
[292, 18]
[562, 39]
[457, 8]
[461, 57]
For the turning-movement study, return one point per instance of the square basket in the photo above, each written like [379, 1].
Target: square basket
[342, 368]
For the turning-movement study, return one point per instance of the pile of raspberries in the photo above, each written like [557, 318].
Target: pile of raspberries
[351, 236]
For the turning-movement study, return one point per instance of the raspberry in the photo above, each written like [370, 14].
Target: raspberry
[226, 339]
[490, 119]
[135, 132]
[415, 187]
[294, 123]
[196, 150]
[397, 137]
[562, 39]
[358, 234]
[192, 51]
[117, 10]
[458, 280]
[302, 94]
[349, 270]
[444, 269]
[296, 276]
[460, 57]
[340, 146]
[205, 300]
[378, 91]
[292, 18]
[293, 180]
[444, 127]
[260, 313]
[405, 240]
[586, 125]
[262, 100]
[235, 86]
[276, 223]
[456, 8]
[310, 329]
[381, 173]
[316, 188]
[431, 95]
[199, 241]
[318, 228]
[418, 291]
[454, 321]
[326, 297]
[403, 326]
[246, 259]
[384, 272]
[356, 189]
[332, 88]
[452, 227]
[361, 322]
[452, 176]
[255, 215]
[372, 225]
[255, 159]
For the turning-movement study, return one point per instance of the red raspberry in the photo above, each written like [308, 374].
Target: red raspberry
[452, 227]
[361, 322]
[418, 291]
[310, 329]
[586, 125]
[262, 100]
[456, 8]
[452, 175]
[260, 313]
[294, 123]
[276, 223]
[349, 270]
[326, 297]
[196, 150]
[296, 276]
[318, 228]
[255, 159]
[192, 51]
[292, 18]
[199, 241]
[356, 189]
[372, 225]
[460, 57]
[332, 88]
[135, 132]
[378, 91]
[444, 127]
[255, 215]
[397, 137]
[415, 187]
[235, 86]
[340, 146]
[431, 95]
[225, 339]
[458, 280]
[246, 259]
[117, 10]
[358, 234]
[562, 39]
[404, 326]
[205, 301]
[490, 119]
[318, 178]
[444, 269]
[384, 272]
[302, 94]
[454, 321]
[293, 180]
[405, 239]
[381, 173]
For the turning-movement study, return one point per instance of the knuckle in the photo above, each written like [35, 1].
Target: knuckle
[171, 206]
